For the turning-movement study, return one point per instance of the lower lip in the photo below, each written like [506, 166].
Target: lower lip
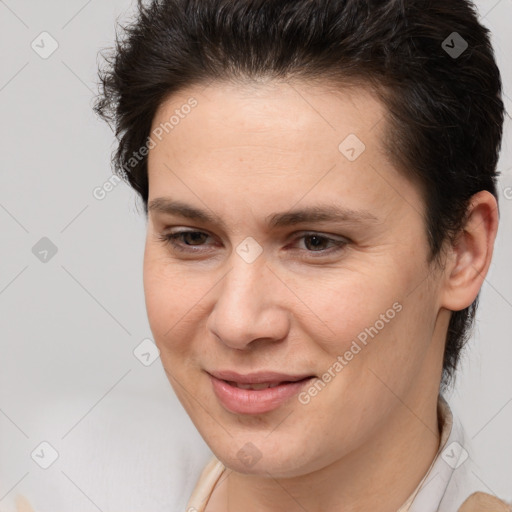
[255, 401]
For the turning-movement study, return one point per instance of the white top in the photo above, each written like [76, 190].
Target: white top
[446, 485]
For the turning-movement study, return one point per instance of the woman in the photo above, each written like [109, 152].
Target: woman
[319, 179]
[321, 209]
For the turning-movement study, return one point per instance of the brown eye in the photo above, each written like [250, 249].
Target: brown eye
[181, 240]
[191, 237]
[315, 242]
[321, 244]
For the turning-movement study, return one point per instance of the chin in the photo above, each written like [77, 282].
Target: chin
[260, 457]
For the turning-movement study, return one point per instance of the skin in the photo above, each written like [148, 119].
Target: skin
[243, 154]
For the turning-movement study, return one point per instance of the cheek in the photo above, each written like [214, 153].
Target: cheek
[174, 300]
[347, 307]
[379, 319]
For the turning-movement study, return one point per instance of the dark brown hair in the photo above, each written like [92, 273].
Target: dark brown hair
[430, 61]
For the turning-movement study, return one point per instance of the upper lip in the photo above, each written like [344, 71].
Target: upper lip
[257, 377]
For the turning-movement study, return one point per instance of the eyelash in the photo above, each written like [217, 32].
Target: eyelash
[169, 239]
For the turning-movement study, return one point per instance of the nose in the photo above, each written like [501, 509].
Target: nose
[250, 306]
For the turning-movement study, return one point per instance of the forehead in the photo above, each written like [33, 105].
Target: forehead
[278, 140]
[277, 115]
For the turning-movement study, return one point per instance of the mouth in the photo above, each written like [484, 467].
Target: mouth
[261, 377]
[256, 393]
[263, 385]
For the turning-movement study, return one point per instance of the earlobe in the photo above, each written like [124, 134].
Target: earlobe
[471, 253]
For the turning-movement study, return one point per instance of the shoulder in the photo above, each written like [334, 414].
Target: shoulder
[22, 504]
[483, 502]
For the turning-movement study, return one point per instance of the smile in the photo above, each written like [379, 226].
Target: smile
[255, 397]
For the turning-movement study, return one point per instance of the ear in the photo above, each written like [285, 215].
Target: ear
[470, 255]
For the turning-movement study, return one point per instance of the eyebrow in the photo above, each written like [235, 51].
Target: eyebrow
[319, 213]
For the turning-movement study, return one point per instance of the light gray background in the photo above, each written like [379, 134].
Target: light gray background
[68, 375]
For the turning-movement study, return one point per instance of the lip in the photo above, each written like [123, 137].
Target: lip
[257, 377]
[256, 401]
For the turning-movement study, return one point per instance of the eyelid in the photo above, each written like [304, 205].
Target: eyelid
[293, 236]
[320, 234]
[171, 239]
[338, 243]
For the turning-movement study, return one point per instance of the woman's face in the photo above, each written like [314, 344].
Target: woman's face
[298, 251]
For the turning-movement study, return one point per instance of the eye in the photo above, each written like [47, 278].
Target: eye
[184, 240]
[318, 243]
[191, 241]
